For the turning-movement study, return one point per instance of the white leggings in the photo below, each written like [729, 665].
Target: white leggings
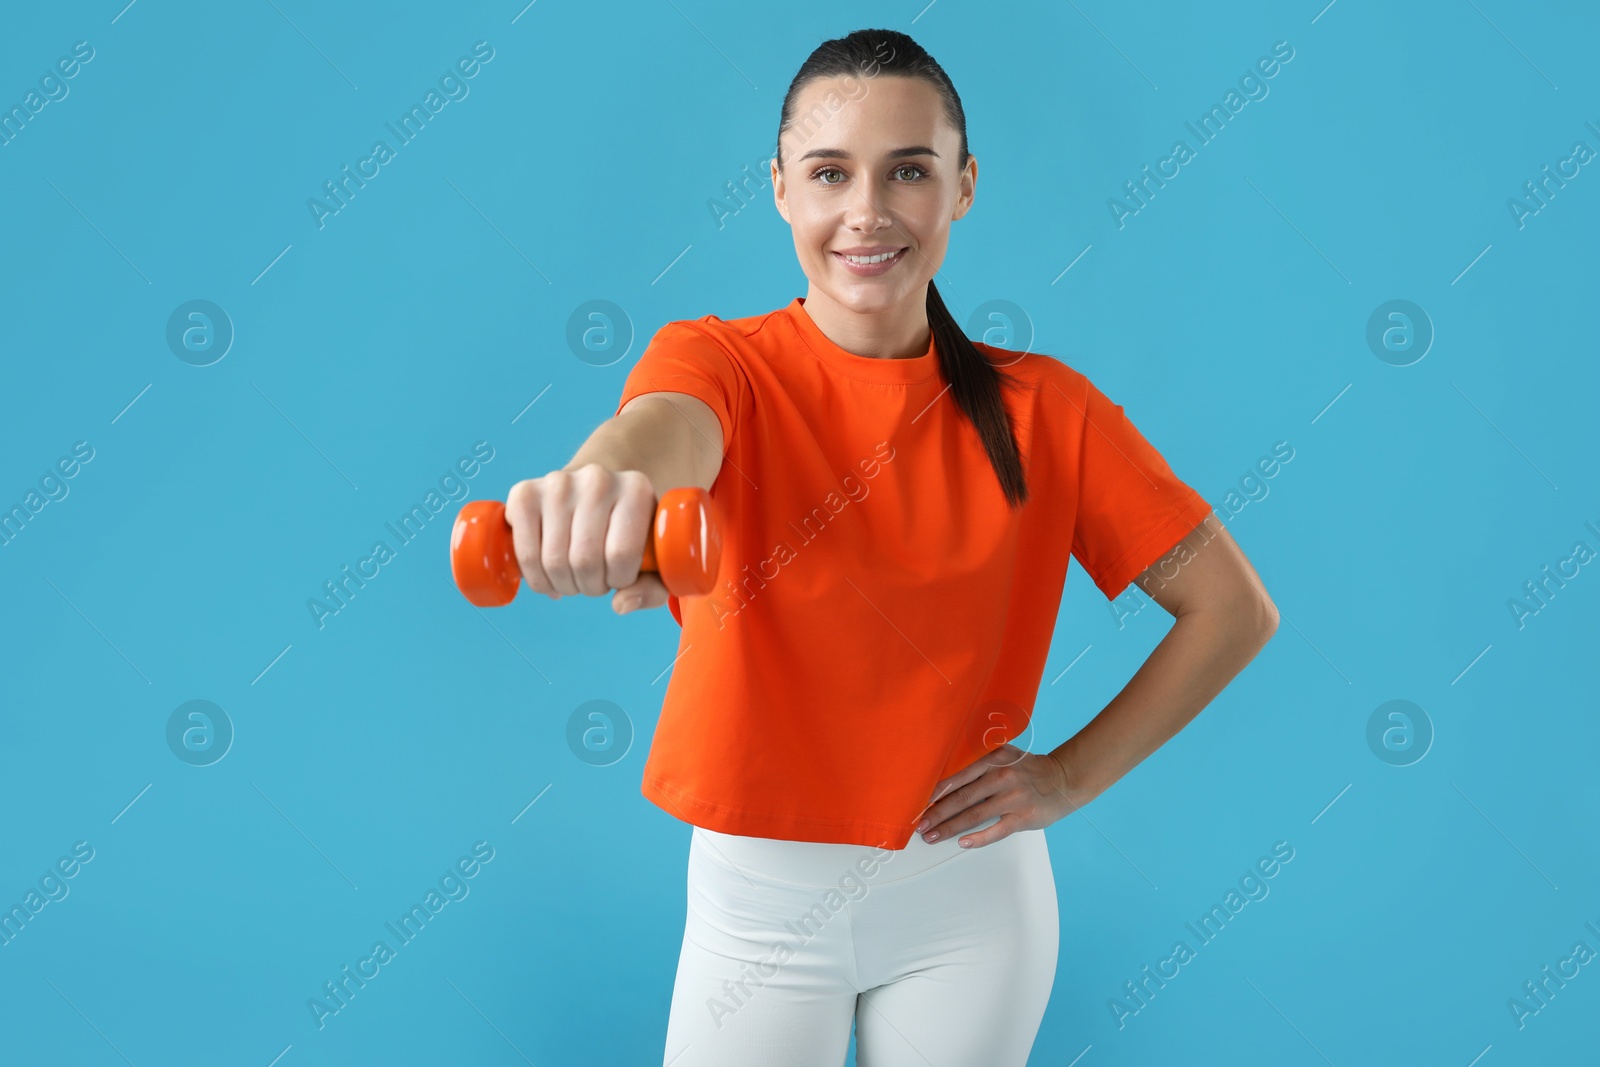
[941, 955]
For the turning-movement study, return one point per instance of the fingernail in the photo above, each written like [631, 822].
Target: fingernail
[921, 826]
[932, 837]
[967, 843]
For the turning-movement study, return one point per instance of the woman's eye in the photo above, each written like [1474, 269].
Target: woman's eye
[916, 174]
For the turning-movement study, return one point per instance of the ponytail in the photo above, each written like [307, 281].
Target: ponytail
[975, 387]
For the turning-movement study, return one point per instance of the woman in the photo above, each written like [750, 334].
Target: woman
[899, 505]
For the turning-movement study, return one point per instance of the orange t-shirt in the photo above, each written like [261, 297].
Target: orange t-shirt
[882, 616]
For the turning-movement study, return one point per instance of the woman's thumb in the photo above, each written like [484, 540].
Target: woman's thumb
[647, 592]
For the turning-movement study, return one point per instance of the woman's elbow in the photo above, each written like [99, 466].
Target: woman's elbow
[1250, 613]
[1269, 617]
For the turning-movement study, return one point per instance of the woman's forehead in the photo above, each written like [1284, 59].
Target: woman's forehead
[868, 116]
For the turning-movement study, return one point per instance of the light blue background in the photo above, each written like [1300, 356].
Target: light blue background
[1230, 313]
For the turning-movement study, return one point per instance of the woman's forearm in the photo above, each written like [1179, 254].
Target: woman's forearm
[1194, 662]
[673, 438]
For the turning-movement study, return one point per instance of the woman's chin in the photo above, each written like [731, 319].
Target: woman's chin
[864, 296]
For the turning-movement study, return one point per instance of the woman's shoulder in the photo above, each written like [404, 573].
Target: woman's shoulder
[1037, 368]
[711, 340]
[742, 328]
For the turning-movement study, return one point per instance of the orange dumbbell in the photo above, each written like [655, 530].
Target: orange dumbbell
[684, 548]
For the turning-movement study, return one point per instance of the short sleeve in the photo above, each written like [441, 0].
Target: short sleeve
[682, 358]
[1131, 508]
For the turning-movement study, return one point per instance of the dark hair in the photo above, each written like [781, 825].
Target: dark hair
[974, 381]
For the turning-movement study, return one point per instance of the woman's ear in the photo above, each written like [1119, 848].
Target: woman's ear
[777, 191]
[968, 188]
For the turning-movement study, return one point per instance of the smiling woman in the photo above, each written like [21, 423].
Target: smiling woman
[852, 705]
[893, 627]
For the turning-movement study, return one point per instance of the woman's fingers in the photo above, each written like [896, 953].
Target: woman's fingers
[1007, 824]
[962, 792]
[1025, 793]
[627, 530]
[647, 592]
[582, 531]
[524, 514]
[946, 787]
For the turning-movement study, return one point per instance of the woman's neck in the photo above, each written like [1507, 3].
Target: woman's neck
[900, 332]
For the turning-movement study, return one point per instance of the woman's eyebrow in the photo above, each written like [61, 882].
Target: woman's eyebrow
[839, 153]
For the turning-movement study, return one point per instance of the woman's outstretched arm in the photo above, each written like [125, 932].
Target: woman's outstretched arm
[583, 528]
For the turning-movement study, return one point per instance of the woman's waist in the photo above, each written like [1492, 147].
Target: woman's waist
[827, 864]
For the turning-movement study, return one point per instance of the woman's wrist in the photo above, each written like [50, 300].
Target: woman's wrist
[1078, 787]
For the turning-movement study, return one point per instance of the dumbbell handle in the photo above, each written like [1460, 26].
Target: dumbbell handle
[684, 548]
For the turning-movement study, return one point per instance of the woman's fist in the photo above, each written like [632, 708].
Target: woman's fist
[584, 530]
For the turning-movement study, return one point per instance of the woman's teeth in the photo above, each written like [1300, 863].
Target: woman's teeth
[864, 260]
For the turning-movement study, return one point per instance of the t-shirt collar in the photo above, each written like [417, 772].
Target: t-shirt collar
[863, 368]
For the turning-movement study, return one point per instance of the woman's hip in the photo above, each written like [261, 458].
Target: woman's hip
[757, 888]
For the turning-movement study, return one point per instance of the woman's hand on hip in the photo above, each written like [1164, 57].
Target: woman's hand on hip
[1027, 790]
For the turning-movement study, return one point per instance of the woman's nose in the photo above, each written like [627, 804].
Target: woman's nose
[864, 211]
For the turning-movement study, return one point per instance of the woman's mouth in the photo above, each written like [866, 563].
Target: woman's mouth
[867, 266]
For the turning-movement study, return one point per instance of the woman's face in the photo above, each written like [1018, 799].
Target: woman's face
[870, 164]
